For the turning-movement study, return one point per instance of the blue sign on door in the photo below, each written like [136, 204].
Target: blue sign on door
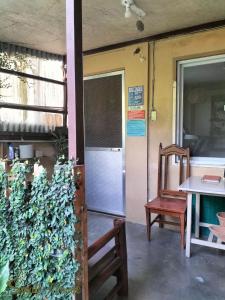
[136, 95]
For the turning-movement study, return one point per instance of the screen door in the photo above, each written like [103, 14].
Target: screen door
[104, 142]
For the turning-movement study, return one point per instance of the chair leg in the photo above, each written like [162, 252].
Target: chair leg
[161, 217]
[148, 223]
[182, 231]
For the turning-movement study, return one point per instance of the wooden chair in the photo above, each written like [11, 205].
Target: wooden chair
[109, 260]
[169, 202]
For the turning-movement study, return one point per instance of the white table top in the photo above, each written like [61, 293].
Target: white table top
[196, 185]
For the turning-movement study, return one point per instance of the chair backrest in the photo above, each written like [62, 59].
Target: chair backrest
[181, 154]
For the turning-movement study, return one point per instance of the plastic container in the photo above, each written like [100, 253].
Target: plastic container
[26, 151]
[16, 152]
[11, 152]
[221, 217]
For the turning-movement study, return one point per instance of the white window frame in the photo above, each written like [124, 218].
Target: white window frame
[178, 106]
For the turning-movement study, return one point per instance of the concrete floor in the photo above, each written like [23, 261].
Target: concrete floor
[159, 270]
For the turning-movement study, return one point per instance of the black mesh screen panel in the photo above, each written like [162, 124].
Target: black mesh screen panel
[103, 112]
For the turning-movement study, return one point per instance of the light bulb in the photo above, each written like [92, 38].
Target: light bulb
[127, 12]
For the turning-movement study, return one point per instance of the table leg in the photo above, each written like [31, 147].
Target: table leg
[197, 215]
[188, 234]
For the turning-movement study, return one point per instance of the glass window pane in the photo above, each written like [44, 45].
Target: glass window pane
[39, 66]
[20, 90]
[47, 68]
[204, 109]
[15, 120]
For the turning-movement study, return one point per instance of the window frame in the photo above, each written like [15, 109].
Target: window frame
[180, 67]
[50, 109]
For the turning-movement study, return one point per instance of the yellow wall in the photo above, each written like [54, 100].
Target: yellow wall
[136, 73]
[166, 53]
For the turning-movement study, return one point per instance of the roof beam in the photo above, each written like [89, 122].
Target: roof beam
[75, 79]
[182, 31]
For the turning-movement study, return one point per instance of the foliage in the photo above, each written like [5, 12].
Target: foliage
[37, 215]
[61, 235]
[17, 62]
[5, 63]
[61, 143]
[5, 247]
[4, 276]
[41, 227]
[19, 228]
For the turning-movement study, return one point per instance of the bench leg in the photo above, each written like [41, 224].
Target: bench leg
[122, 274]
[123, 277]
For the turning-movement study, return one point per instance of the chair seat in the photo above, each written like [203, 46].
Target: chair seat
[168, 204]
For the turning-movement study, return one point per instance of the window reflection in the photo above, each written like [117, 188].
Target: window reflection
[204, 109]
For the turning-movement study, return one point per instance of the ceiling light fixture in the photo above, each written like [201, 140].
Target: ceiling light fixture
[128, 13]
[131, 7]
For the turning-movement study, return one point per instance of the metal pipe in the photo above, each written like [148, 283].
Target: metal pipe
[49, 109]
[21, 74]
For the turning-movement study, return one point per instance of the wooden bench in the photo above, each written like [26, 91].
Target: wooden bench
[108, 257]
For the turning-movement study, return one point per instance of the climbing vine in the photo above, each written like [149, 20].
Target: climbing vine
[19, 228]
[17, 62]
[40, 238]
[5, 241]
[5, 247]
[38, 253]
[61, 235]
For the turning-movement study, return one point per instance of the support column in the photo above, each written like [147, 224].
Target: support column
[76, 126]
[75, 79]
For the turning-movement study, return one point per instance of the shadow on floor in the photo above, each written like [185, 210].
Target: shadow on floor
[158, 270]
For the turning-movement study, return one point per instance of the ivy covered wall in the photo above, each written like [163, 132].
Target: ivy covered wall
[37, 232]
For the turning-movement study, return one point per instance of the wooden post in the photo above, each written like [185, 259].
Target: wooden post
[81, 213]
[75, 125]
[121, 248]
[75, 79]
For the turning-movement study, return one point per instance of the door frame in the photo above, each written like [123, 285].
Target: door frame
[108, 74]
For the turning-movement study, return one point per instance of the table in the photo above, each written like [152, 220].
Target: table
[194, 185]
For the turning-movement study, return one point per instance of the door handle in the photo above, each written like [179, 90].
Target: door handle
[115, 149]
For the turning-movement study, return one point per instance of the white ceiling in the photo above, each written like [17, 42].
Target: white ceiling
[40, 24]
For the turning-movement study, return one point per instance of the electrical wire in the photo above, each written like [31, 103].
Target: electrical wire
[153, 75]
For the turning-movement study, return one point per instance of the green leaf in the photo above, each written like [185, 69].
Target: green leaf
[4, 277]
